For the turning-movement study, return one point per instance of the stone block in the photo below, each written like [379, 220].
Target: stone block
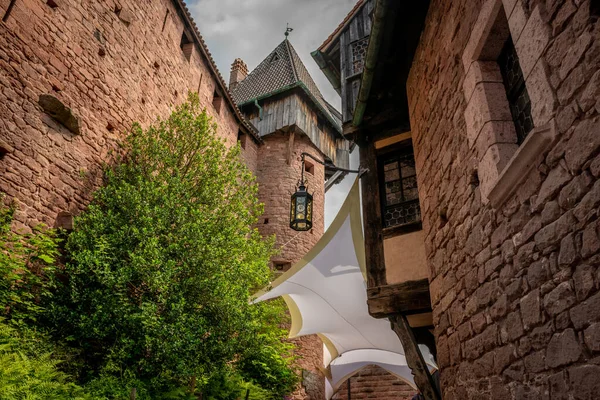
[57, 110]
[541, 94]
[504, 356]
[480, 71]
[512, 327]
[574, 54]
[540, 336]
[583, 280]
[586, 312]
[535, 362]
[563, 349]
[575, 190]
[592, 337]
[590, 242]
[559, 299]
[584, 379]
[533, 41]
[530, 309]
[591, 93]
[584, 142]
[5, 148]
[569, 253]
[588, 206]
[556, 179]
[538, 273]
[552, 233]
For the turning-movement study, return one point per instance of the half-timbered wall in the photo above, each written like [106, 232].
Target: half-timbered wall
[353, 50]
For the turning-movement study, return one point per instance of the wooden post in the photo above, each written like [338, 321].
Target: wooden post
[414, 358]
[247, 394]
[133, 394]
[349, 390]
[371, 207]
[290, 149]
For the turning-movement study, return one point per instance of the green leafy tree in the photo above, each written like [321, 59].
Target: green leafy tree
[163, 262]
[26, 260]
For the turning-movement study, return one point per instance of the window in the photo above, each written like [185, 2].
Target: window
[358, 51]
[217, 101]
[309, 167]
[274, 58]
[516, 92]
[8, 10]
[186, 45]
[398, 184]
[281, 266]
[242, 139]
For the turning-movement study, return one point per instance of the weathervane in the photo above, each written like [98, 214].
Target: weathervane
[288, 29]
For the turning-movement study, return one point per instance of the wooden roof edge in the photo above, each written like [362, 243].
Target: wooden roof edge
[342, 25]
[189, 22]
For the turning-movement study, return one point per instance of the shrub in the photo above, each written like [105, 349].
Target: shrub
[162, 263]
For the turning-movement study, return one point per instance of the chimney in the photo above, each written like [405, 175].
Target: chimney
[239, 71]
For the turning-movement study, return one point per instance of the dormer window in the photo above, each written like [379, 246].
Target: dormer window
[274, 58]
[516, 91]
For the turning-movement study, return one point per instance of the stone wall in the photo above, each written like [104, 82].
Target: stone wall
[112, 63]
[514, 288]
[373, 382]
[277, 182]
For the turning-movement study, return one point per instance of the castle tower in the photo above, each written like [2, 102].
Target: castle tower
[282, 101]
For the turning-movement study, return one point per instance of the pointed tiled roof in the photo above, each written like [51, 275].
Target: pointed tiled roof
[281, 70]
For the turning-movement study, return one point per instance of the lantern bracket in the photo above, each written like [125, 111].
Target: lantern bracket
[359, 171]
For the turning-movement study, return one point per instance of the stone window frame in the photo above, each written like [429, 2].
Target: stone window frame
[501, 163]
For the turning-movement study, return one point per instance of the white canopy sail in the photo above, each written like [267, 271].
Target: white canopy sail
[326, 294]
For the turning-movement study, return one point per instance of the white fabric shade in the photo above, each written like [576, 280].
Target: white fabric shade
[326, 294]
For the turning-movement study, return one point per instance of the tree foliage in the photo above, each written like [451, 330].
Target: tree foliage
[26, 261]
[163, 262]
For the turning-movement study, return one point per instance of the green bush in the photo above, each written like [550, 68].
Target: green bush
[31, 376]
[26, 262]
[163, 262]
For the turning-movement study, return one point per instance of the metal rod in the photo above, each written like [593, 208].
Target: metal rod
[302, 174]
[328, 166]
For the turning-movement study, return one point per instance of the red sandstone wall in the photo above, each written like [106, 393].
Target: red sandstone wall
[373, 382]
[515, 290]
[277, 182]
[142, 75]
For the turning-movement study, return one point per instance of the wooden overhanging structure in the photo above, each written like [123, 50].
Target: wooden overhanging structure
[376, 117]
[279, 95]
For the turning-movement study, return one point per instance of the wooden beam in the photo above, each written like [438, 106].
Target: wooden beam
[290, 149]
[414, 358]
[371, 207]
[406, 298]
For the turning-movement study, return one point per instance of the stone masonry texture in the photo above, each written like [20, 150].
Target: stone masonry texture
[514, 290]
[277, 181]
[373, 382]
[110, 63]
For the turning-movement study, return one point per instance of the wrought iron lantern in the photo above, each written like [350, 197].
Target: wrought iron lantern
[301, 207]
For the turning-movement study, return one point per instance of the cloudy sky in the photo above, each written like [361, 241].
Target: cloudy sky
[251, 29]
